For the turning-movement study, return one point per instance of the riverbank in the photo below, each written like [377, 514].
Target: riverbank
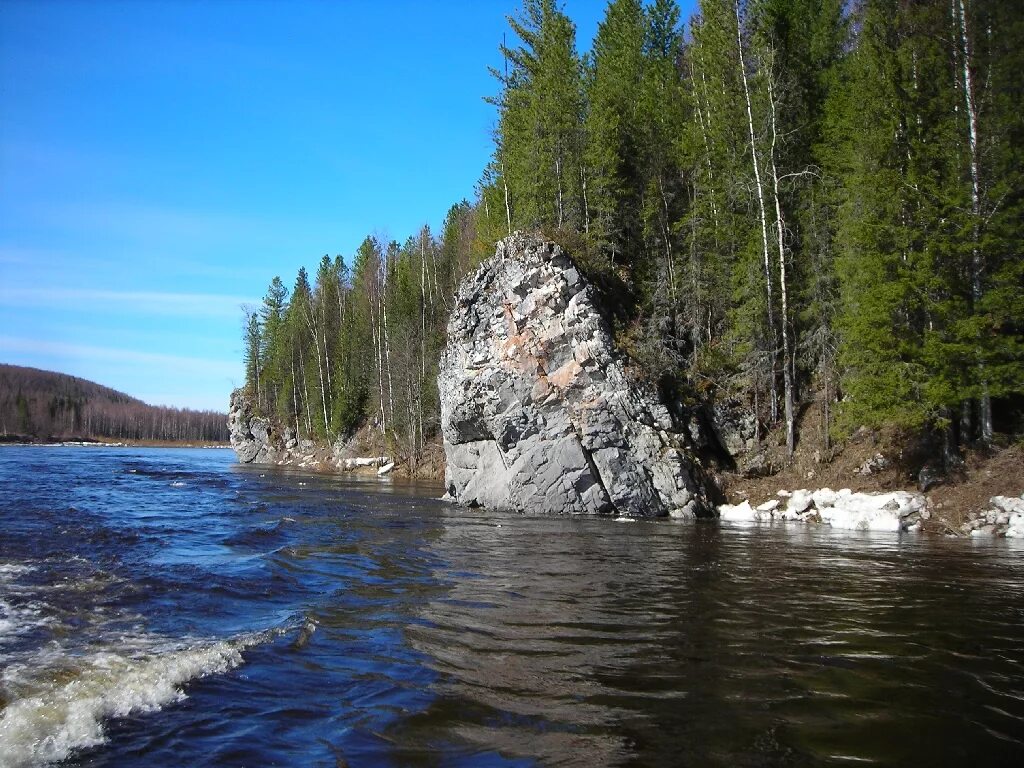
[868, 472]
[840, 493]
[877, 464]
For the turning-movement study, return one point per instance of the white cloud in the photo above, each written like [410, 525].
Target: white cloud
[111, 354]
[146, 302]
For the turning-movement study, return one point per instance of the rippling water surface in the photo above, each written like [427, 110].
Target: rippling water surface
[169, 608]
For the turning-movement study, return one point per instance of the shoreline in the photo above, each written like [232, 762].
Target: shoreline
[112, 444]
[894, 510]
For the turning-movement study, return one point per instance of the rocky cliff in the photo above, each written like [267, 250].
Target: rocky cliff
[258, 440]
[538, 413]
[252, 437]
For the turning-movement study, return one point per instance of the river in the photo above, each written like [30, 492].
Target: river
[171, 608]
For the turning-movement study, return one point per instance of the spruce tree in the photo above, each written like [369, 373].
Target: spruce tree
[614, 133]
[537, 164]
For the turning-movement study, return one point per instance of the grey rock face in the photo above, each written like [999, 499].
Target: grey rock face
[251, 435]
[538, 413]
[735, 427]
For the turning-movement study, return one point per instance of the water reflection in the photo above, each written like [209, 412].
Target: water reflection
[408, 632]
[582, 642]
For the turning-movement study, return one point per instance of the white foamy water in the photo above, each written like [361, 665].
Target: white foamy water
[17, 619]
[67, 699]
[14, 619]
[8, 570]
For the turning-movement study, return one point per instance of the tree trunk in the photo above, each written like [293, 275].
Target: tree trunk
[707, 143]
[387, 345]
[772, 337]
[977, 265]
[558, 177]
[423, 313]
[314, 332]
[586, 204]
[305, 390]
[667, 234]
[295, 400]
[375, 336]
[327, 361]
[787, 361]
[508, 204]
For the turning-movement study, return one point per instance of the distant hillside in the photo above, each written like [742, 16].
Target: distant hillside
[44, 405]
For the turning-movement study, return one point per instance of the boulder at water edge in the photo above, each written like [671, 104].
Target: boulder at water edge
[537, 411]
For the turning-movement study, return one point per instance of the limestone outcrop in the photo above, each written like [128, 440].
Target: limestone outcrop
[538, 412]
[252, 436]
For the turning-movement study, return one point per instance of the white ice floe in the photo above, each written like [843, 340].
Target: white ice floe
[872, 511]
[843, 509]
[364, 461]
[1004, 516]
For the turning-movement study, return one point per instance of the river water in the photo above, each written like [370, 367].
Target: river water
[170, 608]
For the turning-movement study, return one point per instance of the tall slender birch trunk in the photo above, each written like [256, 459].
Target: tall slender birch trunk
[704, 134]
[586, 203]
[437, 286]
[558, 177]
[327, 358]
[780, 226]
[314, 332]
[423, 312]
[305, 390]
[387, 343]
[295, 401]
[375, 337]
[773, 340]
[666, 233]
[977, 265]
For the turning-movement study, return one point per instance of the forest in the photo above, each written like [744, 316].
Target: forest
[791, 204]
[43, 405]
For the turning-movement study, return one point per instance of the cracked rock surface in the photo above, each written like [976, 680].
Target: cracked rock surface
[538, 413]
[251, 435]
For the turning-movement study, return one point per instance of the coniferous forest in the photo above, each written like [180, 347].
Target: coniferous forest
[792, 204]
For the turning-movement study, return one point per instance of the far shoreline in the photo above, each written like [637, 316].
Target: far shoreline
[106, 443]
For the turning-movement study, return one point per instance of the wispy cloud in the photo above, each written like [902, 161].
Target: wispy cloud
[149, 222]
[157, 378]
[182, 363]
[19, 257]
[206, 305]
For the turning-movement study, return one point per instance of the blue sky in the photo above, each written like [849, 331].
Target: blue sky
[160, 162]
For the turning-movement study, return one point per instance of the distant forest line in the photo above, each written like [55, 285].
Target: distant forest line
[44, 405]
[789, 203]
